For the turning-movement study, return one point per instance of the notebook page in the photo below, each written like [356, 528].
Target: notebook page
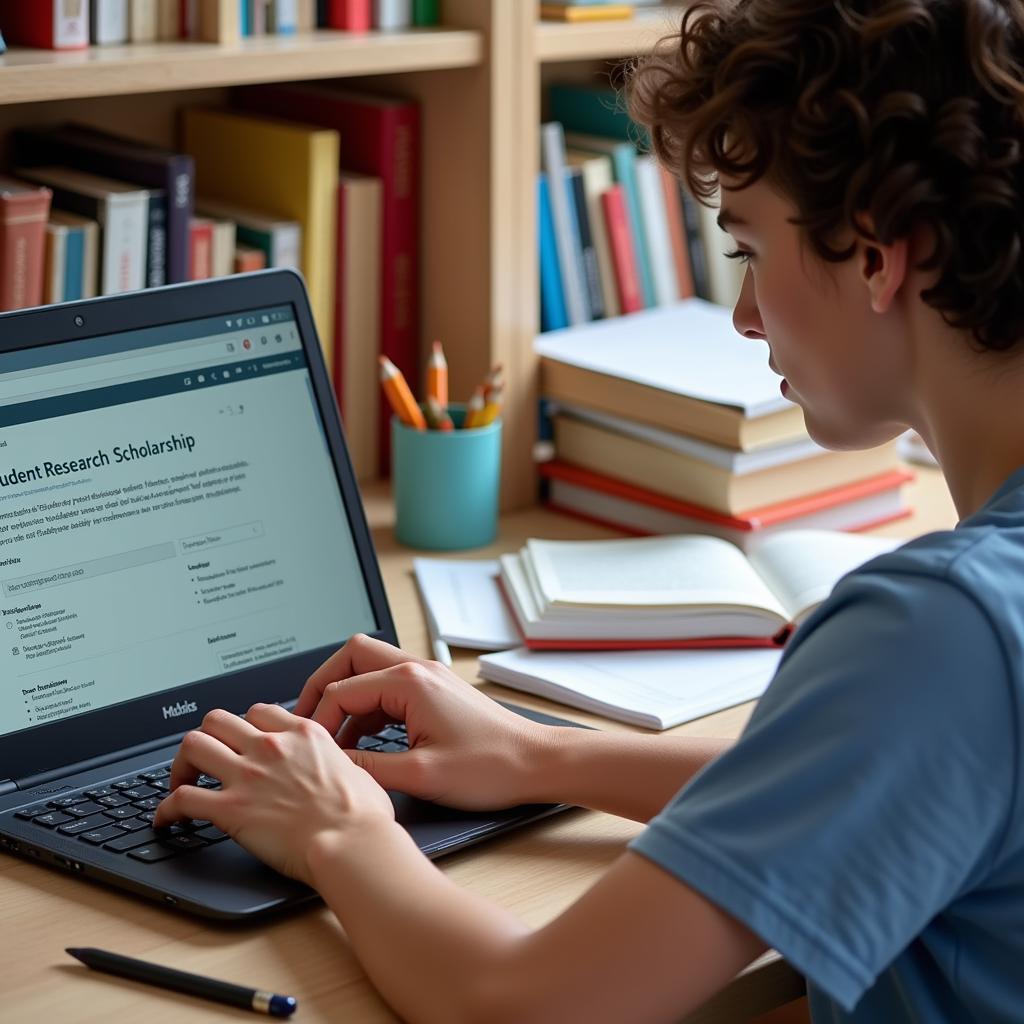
[656, 689]
[802, 566]
[654, 572]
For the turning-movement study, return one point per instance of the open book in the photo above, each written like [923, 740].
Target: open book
[676, 591]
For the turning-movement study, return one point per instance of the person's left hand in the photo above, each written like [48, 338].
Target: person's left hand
[284, 783]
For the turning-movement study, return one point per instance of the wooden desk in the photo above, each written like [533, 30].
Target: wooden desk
[535, 872]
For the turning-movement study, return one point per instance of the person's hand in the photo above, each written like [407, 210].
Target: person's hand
[465, 750]
[284, 785]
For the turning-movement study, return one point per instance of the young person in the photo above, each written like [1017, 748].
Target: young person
[868, 823]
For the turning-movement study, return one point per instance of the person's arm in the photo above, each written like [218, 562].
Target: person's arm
[467, 751]
[639, 946]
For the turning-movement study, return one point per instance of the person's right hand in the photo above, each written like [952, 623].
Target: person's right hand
[465, 750]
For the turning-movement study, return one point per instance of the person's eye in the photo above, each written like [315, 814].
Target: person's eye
[739, 254]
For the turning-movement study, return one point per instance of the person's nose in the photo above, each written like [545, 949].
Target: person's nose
[746, 317]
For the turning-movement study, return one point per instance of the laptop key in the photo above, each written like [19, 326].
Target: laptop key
[101, 791]
[68, 801]
[133, 824]
[28, 813]
[183, 842]
[52, 819]
[391, 733]
[368, 743]
[140, 792]
[156, 773]
[73, 828]
[101, 835]
[113, 800]
[121, 812]
[212, 834]
[84, 810]
[152, 853]
[129, 840]
[150, 803]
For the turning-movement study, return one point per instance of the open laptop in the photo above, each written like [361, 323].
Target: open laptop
[180, 529]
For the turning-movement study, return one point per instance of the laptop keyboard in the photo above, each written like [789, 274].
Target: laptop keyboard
[118, 815]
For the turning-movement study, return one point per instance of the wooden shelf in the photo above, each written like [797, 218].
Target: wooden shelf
[30, 76]
[559, 41]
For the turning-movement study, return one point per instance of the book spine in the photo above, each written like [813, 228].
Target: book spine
[46, 24]
[621, 242]
[652, 210]
[90, 259]
[725, 276]
[424, 13]
[168, 24]
[285, 17]
[248, 258]
[588, 254]
[694, 243]
[552, 301]
[125, 223]
[323, 17]
[350, 15]
[625, 173]
[23, 248]
[566, 239]
[392, 15]
[223, 252]
[55, 263]
[109, 22]
[305, 20]
[201, 239]
[676, 232]
[592, 112]
[156, 243]
[143, 27]
[597, 178]
[74, 264]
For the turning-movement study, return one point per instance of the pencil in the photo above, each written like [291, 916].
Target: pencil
[398, 394]
[492, 407]
[473, 408]
[437, 376]
[495, 379]
[436, 415]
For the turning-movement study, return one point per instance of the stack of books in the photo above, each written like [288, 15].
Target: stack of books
[668, 421]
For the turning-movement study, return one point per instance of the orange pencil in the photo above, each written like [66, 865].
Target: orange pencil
[474, 407]
[437, 416]
[437, 376]
[492, 408]
[398, 394]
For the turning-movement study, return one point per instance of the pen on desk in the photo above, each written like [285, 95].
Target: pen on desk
[182, 981]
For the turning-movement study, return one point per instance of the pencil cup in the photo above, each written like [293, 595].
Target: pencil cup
[445, 484]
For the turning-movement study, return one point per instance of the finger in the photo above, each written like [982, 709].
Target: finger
[386, 690]
[231, 729]
[358, 726]
[361, 654]
[188, 802]
[400, 772]
[270, 718]
[201, 753]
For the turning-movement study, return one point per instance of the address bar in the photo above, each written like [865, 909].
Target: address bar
[74, 378]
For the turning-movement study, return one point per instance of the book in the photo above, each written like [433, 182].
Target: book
[552, 299]
[291, 171]
[623, 252]
[55, 263]
[694, 243]
[676, 226]
[248, 258]
[282, 17]
[109, 22]
[202, 248]
[595, 110]
[47, 24]
[725, 276]
[682, 367]
[120, 209]
[655, 220]
[563, 217]
[168, 21]
[143, 22]
[392, 15]
[350, 15]
[591, 271]
[683, 590]
[24, 211]
[81, 254]
[670, 470]
[553, 11]
[623, 156]
[224, 243]
[279, 240]
[424, 13]
[604, 500]
[597, 176]
[156, 239]
[651, 689]
[114, 156]
[382, 139]
[306, 20]
[357, 329]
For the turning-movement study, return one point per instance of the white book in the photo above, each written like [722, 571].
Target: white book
[392, 15]
[673, 590]
[54, 264]
[690, 348]
[597, 179]
[567, 239]
[109, 22]
[222, 253]
[651, 689]
[284, 17]
[655, 216]
[143, 21]
[70, 23]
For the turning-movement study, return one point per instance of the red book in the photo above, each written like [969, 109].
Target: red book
[677, 232]
[349, 15]
[602, 499]
[248, 258]
[24, 210]
[616, 219]
[380, 137]
[200, 237]
[47, 24]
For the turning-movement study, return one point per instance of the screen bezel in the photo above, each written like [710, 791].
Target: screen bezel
[96, 734]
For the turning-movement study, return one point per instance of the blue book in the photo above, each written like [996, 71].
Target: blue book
[244, 28]
[74, 264]
[552, 300]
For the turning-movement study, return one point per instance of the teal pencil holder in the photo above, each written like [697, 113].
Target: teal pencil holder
[446, 484]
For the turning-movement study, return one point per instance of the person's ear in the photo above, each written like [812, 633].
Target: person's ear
[883, 269]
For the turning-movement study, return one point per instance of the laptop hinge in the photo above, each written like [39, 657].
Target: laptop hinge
[93, 762]
[7, 786]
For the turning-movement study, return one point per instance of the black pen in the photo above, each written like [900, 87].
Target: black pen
[182, 981]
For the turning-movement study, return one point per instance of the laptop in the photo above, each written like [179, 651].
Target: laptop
[180, 529]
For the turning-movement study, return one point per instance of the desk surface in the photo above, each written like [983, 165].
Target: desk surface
[535, 872]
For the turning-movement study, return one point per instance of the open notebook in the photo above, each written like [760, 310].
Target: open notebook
[675, 591]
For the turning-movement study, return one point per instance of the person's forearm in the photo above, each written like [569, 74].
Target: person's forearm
[621, 773]
[427, 945]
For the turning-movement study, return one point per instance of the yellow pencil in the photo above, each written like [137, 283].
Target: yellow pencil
[474, 407]
[492, 407]
[400, 397]
[437, 376]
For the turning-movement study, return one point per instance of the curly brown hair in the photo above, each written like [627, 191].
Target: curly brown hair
[908, 111]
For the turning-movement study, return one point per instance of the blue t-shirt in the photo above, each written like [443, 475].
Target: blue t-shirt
[868, 823]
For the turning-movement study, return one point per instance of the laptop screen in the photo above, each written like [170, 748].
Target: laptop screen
[169, 513]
